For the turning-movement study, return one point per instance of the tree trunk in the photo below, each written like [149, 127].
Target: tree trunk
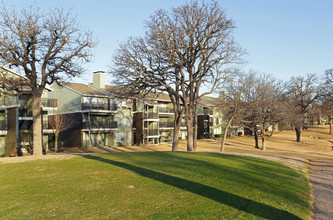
[189, 124]
[263, 147]
[225, 134]
[330, 122]
[56, 137]
[256, 141]
[37, 125]
[298, 134]
[195, 132]
[177, 124]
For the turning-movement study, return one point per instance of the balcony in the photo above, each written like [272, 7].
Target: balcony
[51, 103]
[3, 125]
[95, 106]
[24, 112]
[166, 110]
[99, 106]
[2, 100]
[166, 124]
[151, 132]
[100, 125]
[151, 115]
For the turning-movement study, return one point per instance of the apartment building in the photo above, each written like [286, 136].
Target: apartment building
[90, 112]
[102, 118]
[16, 120]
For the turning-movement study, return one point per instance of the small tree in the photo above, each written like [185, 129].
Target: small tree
[231, 106]
[59, 122]
[47, 47]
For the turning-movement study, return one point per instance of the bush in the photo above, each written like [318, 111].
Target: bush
[240, 133]
[218, 135]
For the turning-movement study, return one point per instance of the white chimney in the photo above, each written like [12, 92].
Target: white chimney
[99, 79]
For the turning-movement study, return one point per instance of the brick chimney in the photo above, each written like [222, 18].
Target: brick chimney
[99, 79]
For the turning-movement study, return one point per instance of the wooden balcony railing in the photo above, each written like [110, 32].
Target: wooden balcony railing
[151, 132]
[3, 125]
[47, 102]
[99, 124]
[151, 115]
[165, 110]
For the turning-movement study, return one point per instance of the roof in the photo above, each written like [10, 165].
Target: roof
[83, 89]
[158, 96]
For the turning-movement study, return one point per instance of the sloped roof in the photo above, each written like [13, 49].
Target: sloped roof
[159, 96]
[83, 89]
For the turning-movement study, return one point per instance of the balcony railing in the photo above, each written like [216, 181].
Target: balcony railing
[99, 124]
[3, 125]
[2, 100]
[95, 106]
[46, 102]
[23, 112]
[169, 124]
[151, 115]
[99, 106]
[151, 132]
[166, 124]
[46, 125]
[165, 110]
[206, 117]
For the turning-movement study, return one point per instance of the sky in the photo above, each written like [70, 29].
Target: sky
[284, 38]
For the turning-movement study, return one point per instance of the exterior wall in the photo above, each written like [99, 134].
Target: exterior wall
[139, 128]
[68, 100]
[72, 137]
[124, 120]
[201, 125]
[12, 131]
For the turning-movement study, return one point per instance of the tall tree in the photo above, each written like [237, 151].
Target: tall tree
[301, 93]
[184, 50]
[46, 47]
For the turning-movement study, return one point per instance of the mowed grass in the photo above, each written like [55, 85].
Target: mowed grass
[167, 185]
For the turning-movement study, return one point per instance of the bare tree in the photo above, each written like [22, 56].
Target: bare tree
[327, 109]
[184, 50]
[231, 106]
[301, 93]
[260, 105]
[46, 47]
[59, 122]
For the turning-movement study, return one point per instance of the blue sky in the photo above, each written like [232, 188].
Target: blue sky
[284, 38]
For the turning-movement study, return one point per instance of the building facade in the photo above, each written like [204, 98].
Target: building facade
[16, 120]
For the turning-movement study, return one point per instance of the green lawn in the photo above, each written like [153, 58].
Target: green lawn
[167, 185]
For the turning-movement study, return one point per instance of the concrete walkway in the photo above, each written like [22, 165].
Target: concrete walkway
[321, 177]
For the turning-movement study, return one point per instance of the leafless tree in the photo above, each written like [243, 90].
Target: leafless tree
[260, 104]
[184, 50]
[301, 93]
[231, 106]
[327, 110]
[59, 122]
[47, 47]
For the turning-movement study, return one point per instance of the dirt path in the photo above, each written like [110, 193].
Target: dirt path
[321, 177]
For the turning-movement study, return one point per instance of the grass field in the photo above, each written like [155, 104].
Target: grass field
[153, 185]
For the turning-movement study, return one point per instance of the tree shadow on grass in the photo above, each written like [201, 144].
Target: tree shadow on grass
[220, 196]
